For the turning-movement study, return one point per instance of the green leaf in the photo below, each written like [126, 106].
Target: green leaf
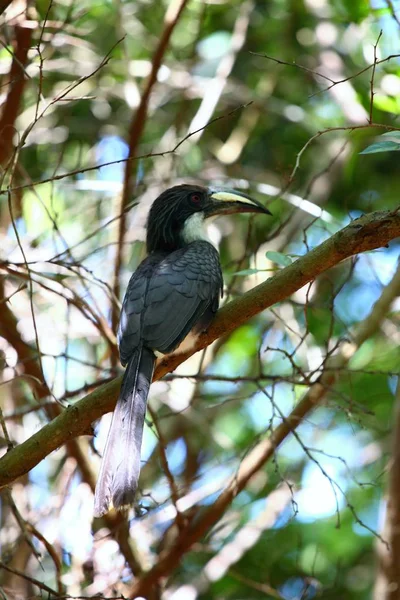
[387, 103]
[394, 135]
[384, 146]
[355, 12]
[279, 258]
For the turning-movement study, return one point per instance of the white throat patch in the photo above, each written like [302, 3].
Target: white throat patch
[194, 229]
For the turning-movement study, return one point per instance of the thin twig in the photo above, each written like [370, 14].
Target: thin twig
[30, 286]
[133, 158]
[165, 466]
[372, 94]
[10, 445]
[350, 129]
[41, 61]
[393, 11]
[36, 582]
[23, 525]
[318, 74]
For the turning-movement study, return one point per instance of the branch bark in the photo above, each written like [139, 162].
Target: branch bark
[17, 80]
[265, 449]
[367, 233]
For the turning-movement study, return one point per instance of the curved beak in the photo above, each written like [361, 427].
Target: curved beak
[223, 201]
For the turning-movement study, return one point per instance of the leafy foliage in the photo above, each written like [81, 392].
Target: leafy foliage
[284, 99]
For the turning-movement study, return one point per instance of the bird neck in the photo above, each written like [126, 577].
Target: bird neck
[194, 229]
[169, 236]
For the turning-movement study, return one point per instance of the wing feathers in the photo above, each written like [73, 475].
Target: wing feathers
[179, 288]
[166, 297]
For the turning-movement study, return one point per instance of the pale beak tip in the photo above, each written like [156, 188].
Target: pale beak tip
[233, 196]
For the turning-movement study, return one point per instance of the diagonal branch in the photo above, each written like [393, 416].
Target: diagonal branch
[265, 449]
[367, 233]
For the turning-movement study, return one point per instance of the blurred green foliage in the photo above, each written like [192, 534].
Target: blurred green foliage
[270, 69]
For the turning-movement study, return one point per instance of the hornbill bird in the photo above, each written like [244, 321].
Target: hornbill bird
[174, 291]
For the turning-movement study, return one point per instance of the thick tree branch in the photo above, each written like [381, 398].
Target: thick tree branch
[265, 449]
[367, 233]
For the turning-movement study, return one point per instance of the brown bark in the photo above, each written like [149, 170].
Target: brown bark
[17, 78]
[367, 233]
[257, 458]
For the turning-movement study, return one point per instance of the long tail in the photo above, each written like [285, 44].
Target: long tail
[120, 468]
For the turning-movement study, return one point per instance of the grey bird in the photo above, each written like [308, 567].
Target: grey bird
[174, 291]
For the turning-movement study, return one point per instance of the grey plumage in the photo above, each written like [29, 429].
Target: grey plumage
[174, 291]
[120, 467]
[166, 297]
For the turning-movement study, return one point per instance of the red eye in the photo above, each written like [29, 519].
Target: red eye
[195, 198]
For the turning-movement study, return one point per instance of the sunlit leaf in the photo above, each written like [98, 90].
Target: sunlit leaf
[387, 103]
[277, 257]
[384, 146]
[393, 135]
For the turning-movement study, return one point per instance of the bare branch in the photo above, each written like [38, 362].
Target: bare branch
[350, 129]
[318, 74]
[32, 184]
[372, 93]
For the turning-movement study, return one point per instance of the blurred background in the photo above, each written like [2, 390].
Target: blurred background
[276, 98]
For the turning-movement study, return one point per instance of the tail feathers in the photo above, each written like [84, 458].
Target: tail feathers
[120, 468]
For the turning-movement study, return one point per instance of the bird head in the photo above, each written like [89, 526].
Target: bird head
[177, 216]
